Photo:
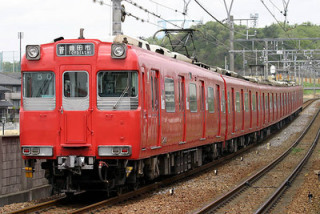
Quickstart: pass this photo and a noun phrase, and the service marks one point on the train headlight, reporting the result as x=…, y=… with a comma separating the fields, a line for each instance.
x=33, y=52
x=118, y=51
x=114, y=151
x=46, y=151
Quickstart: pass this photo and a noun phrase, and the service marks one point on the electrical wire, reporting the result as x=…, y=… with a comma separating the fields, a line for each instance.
x=151, y=13
x=211, y=15
x=275, y=6
x=175, y=10
x=273, y=16
x=102, y=3
x=142, y=20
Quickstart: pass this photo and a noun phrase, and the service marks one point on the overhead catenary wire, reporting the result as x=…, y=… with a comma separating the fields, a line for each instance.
x=275, y=6
x=151, y=13
x=142, y=20
x=262, y=1
x=211, y=14
x=102, y=3
x=225, y=26
x=169, y=8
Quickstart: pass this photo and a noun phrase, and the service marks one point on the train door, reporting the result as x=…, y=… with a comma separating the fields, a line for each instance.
x=233, y=111
x=218, y=109
x=145, y=110
x=202, y=110
x=182, y=100
x=250, y=108
x=154, y=113
x=280, y=105
x=76, y=107
x=242, y=109
x=264, y=108
x=273, y=109
x=258, y=107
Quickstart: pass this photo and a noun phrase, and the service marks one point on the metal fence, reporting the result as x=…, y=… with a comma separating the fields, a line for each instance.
x=9, y=61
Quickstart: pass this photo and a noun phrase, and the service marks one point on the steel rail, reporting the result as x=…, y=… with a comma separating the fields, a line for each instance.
x=168, y=181
x=232, y=193
x=39, y=206
x=273, y=199
x=145, y=189
x=159, y=184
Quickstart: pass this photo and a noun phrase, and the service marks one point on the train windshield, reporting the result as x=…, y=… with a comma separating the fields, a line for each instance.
x=39, y=84
x=117, y=90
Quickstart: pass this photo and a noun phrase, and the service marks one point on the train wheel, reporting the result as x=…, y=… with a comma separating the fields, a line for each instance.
x=70, y=195
x=120, y=191
x=134, y=187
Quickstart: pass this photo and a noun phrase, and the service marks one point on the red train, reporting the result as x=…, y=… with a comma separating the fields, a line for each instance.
x=106, y=115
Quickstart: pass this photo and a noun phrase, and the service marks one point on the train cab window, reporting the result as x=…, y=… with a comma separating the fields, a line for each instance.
x=271, y=100
x=210, y=100
x=253, y=102
x=169, y=94
x=193, y=97
x=39, y=84
x=37, y=87
x=117, y=90
x=246, y=102
x=238, y=106
x=75, y=84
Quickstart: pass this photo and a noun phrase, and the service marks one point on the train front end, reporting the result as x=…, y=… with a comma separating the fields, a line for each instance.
x=80, y=113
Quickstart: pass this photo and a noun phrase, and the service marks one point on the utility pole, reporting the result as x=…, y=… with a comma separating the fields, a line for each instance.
x=266, y=61
x=231, y=27
x=20, y=37
x=231, y=24
x=116, y=17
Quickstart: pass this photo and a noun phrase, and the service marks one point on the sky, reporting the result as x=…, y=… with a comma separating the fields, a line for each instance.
x=41, y=21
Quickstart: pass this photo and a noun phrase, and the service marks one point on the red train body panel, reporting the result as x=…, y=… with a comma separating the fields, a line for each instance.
x=144, y=107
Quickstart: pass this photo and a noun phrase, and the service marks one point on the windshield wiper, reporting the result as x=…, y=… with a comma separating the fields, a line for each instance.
x=123, y=93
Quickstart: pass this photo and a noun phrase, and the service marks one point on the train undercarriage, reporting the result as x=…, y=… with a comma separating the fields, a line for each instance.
x=73, y=174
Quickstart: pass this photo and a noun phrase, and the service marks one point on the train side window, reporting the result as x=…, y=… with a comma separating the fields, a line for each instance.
x=193, y=97
x=254, y=102
x=210, y=100
x=266, y=101
x=246, y=102
x=223, y=102
x=229, y=107
x=237, y=101
x=169, y=94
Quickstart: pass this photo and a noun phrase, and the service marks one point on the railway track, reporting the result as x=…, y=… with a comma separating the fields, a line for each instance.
x=50, y=205
x=264, y=180
x=308, y=103
x=41, y=206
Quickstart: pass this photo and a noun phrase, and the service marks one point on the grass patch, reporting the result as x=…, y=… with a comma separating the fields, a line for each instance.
x=306, y=84
x=296, y=150
x=307, y=92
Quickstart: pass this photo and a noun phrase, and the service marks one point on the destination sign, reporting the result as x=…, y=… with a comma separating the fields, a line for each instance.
x=83, y=49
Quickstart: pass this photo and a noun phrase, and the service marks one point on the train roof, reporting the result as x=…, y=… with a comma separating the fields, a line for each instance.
x=166, y=52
